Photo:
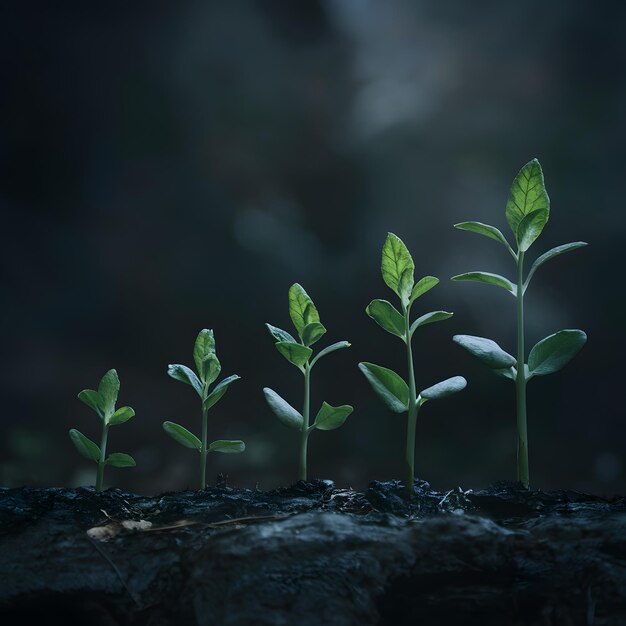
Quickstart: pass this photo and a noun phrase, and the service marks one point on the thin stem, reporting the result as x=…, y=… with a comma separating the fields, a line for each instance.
x=205, y=427
x=103, y=454
x=520, y=381
x=413, y=408
x=304, y=437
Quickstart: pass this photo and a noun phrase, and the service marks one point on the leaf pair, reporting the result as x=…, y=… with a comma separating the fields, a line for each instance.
x=103, y=401
x=189, y=440
x=91, y=451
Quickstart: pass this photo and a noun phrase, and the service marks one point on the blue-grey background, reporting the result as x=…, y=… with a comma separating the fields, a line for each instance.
x=169, y=166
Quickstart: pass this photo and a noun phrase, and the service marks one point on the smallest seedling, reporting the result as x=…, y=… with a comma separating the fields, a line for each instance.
x=103, y=403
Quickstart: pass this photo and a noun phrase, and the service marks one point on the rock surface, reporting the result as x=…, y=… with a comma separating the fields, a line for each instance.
x=313, y=554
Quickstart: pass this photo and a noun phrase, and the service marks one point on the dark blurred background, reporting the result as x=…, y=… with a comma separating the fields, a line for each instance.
x=169, y=166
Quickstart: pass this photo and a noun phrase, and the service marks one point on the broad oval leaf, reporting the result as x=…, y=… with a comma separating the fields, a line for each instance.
x=486, y=350
x=279, y=334
x=211, y=367
x=527, y=194
x=391, y=389
x=120, y=459
x=301, y=308
x=555, y=351
x=483, y=229
x=429, y=318
x=312, y=332
x=181, y=435
x=109, y=388
x=386, y=316
x=489, y=279
x=185, y=375
x=328, y=349
x=93, y=400
x=331, y=417
x=444, y=388
x=218, y=391
x=422, y=286
x=550, y=254
x=530, y=228
x=397, y=267
x=84, y=445
x=205, y=345
x=294, y=352
x=123, y=414
x=227, y=446
x=283, y=410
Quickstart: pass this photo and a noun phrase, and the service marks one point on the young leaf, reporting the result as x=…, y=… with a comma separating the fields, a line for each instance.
x=550, y=254
x=530, y=228
x=527, y=194
x=484, y=229
x=392, y=390
x=387, y=316
x=120, y=459
x=84, y=445
x=283, y=410
x=490, y=279
x=93, y=400
x=397, y=267
x=227, y=446
x=279, y=334
x=120, y=416
x=555, y=351
x=335, y=346
x=312, y=332
x=108, y=389
x=422, y=286
x=185, y=375
x=219, y=390
x=182, y=435
x=205, y=345
x=294, y=352
x=211, y=367
x=444, y=388
x=301, y=308
x=486, y=350
x=429, y=318
x=331, y=417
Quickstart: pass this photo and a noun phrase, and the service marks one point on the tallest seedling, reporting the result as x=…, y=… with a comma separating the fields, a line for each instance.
x=527, y=211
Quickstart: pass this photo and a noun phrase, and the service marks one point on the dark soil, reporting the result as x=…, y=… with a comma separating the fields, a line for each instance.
x=312, y=554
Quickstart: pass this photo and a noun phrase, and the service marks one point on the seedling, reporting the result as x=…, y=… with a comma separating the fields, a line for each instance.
x=527, y=212
x=103, y=403
x=208, y=369
x=398, y=273
x=306, y=320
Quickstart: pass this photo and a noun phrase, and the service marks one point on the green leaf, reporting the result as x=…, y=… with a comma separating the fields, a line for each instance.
x=331, y=417
x=550, y=254
x=219, y=390
x=444, y=388
x=84, y=445
x=205, y=345
x=212, y=368
x=294, y=352
x=120, y=459
x=527, y=194
x=108, y=388
x=181, y=435
x=185, y=375
x=429, y=318
x=555, y=351
x=506, y=372
x=227, y=446
x=530, y=228
x=328, y=349
x=488, y=278
x=392, y=390
x=422, y=286
x=397, y=267
x=484, y=229
x=386, y=316
x=301, y=308
x=279, y=334
x=93, y=400
x=312, y=332
x=283, y=410
x=120, y=416
x=486, y=350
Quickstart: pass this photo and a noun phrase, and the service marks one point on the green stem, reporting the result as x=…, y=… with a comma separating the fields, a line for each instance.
x=203, y=451
x=103, y=454
x=413, y=409
x=305, y=421
x=520, y=382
